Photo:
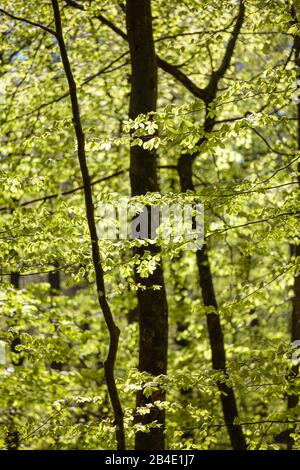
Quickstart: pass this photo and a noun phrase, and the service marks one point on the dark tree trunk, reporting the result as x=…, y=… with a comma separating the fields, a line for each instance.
x=12, y=439
x=295, y=249
x=18, y=359
x=215, y=332
x=153, y=310
x=15, y=279
x=113, y=330
x=293, y=399
x=185, y=165
x=54, y=279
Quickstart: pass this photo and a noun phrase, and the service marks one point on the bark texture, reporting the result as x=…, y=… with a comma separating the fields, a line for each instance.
x=153, y=310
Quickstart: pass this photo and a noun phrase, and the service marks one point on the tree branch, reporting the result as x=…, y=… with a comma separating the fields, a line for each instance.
x=182, y=78
x=253, y=222
x=232, y=42
x=25, y=20
x=114, y=331
x=169, y=68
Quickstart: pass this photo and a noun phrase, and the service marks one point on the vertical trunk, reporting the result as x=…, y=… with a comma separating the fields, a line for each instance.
x=153, y=311
x=186, y=395
x=18, y=361
x=113, y=330
x=295, y=333
x=12, y=439
x=216, y=338
x=293, y=399
x=254, y=322
x=215, y=332
x=54, y=279
x=15, y=280
x=295, y=249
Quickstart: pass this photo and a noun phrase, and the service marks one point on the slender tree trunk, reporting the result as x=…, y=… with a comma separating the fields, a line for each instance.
x=81, y=153
x=185, y=166
x=295, y=249
x=12, y=439
x=293, y=399
x=215, y=332
x=153, y=310
x=15, y=280
x=54, y=279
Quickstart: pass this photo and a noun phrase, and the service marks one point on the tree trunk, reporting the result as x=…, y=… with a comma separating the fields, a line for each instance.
x=293, y=399
x=215, y=332
x=54, y=279
x=113, y=330
x=12, y=439
x=153, y=310
x=216, y=338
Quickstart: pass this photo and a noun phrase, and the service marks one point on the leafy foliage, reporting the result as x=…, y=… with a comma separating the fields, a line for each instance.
x=52, y=389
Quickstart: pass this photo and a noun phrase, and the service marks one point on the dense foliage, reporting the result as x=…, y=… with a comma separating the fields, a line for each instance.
x=227, y=102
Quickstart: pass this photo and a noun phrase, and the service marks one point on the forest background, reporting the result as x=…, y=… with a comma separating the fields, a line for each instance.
x=140, y=344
